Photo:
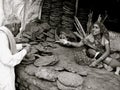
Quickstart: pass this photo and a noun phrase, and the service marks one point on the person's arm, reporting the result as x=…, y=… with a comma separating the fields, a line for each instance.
x=85, y=41
x=105, y=54
x=6, y=56
x=76, y=44
x=68, y=43
x=19, y=47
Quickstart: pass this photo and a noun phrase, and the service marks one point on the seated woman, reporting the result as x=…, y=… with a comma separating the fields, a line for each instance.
x=98, y=46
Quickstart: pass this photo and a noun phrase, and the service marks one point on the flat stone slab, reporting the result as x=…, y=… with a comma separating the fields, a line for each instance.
x=46, y=61
x=70, y=79
x=46, y=73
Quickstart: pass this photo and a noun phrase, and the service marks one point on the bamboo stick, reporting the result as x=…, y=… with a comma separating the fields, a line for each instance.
x=79, y=26
x=80, y=34
x=104, y=18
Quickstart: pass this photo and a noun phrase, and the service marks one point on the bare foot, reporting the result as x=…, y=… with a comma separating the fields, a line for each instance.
x=107, y=67
x=117, y=71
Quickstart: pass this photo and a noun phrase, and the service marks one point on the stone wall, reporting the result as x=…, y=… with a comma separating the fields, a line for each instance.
x=60, y=68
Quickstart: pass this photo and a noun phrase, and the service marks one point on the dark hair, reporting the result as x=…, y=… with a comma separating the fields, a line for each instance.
x=103, y=29
x=14, y=28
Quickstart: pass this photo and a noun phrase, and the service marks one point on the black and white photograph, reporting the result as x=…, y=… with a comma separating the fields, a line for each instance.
x=59, y=45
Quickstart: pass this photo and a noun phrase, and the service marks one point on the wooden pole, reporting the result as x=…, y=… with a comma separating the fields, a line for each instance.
x=79, y=26
x=76, y=7
x=40, y=9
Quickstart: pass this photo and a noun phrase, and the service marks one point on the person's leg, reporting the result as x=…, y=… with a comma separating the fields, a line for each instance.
x=91, y=53
x=107, y=67
x=113, y=63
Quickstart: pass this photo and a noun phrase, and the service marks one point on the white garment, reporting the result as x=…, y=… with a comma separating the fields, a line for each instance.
x=11, y=9
x=2, y=17
x=7, y=63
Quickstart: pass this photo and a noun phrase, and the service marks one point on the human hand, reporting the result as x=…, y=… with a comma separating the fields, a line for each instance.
x=90, y=15
x=94, y=64
x=25, y=44
x=85, y=41
x=93, y=59
x=63, y=41
x=27, y=47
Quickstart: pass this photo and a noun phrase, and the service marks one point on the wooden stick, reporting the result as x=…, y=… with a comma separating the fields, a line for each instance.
x=80, y=34
x=40, y=9
x=79, y=26
x=76, y=7
x=104, y=19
